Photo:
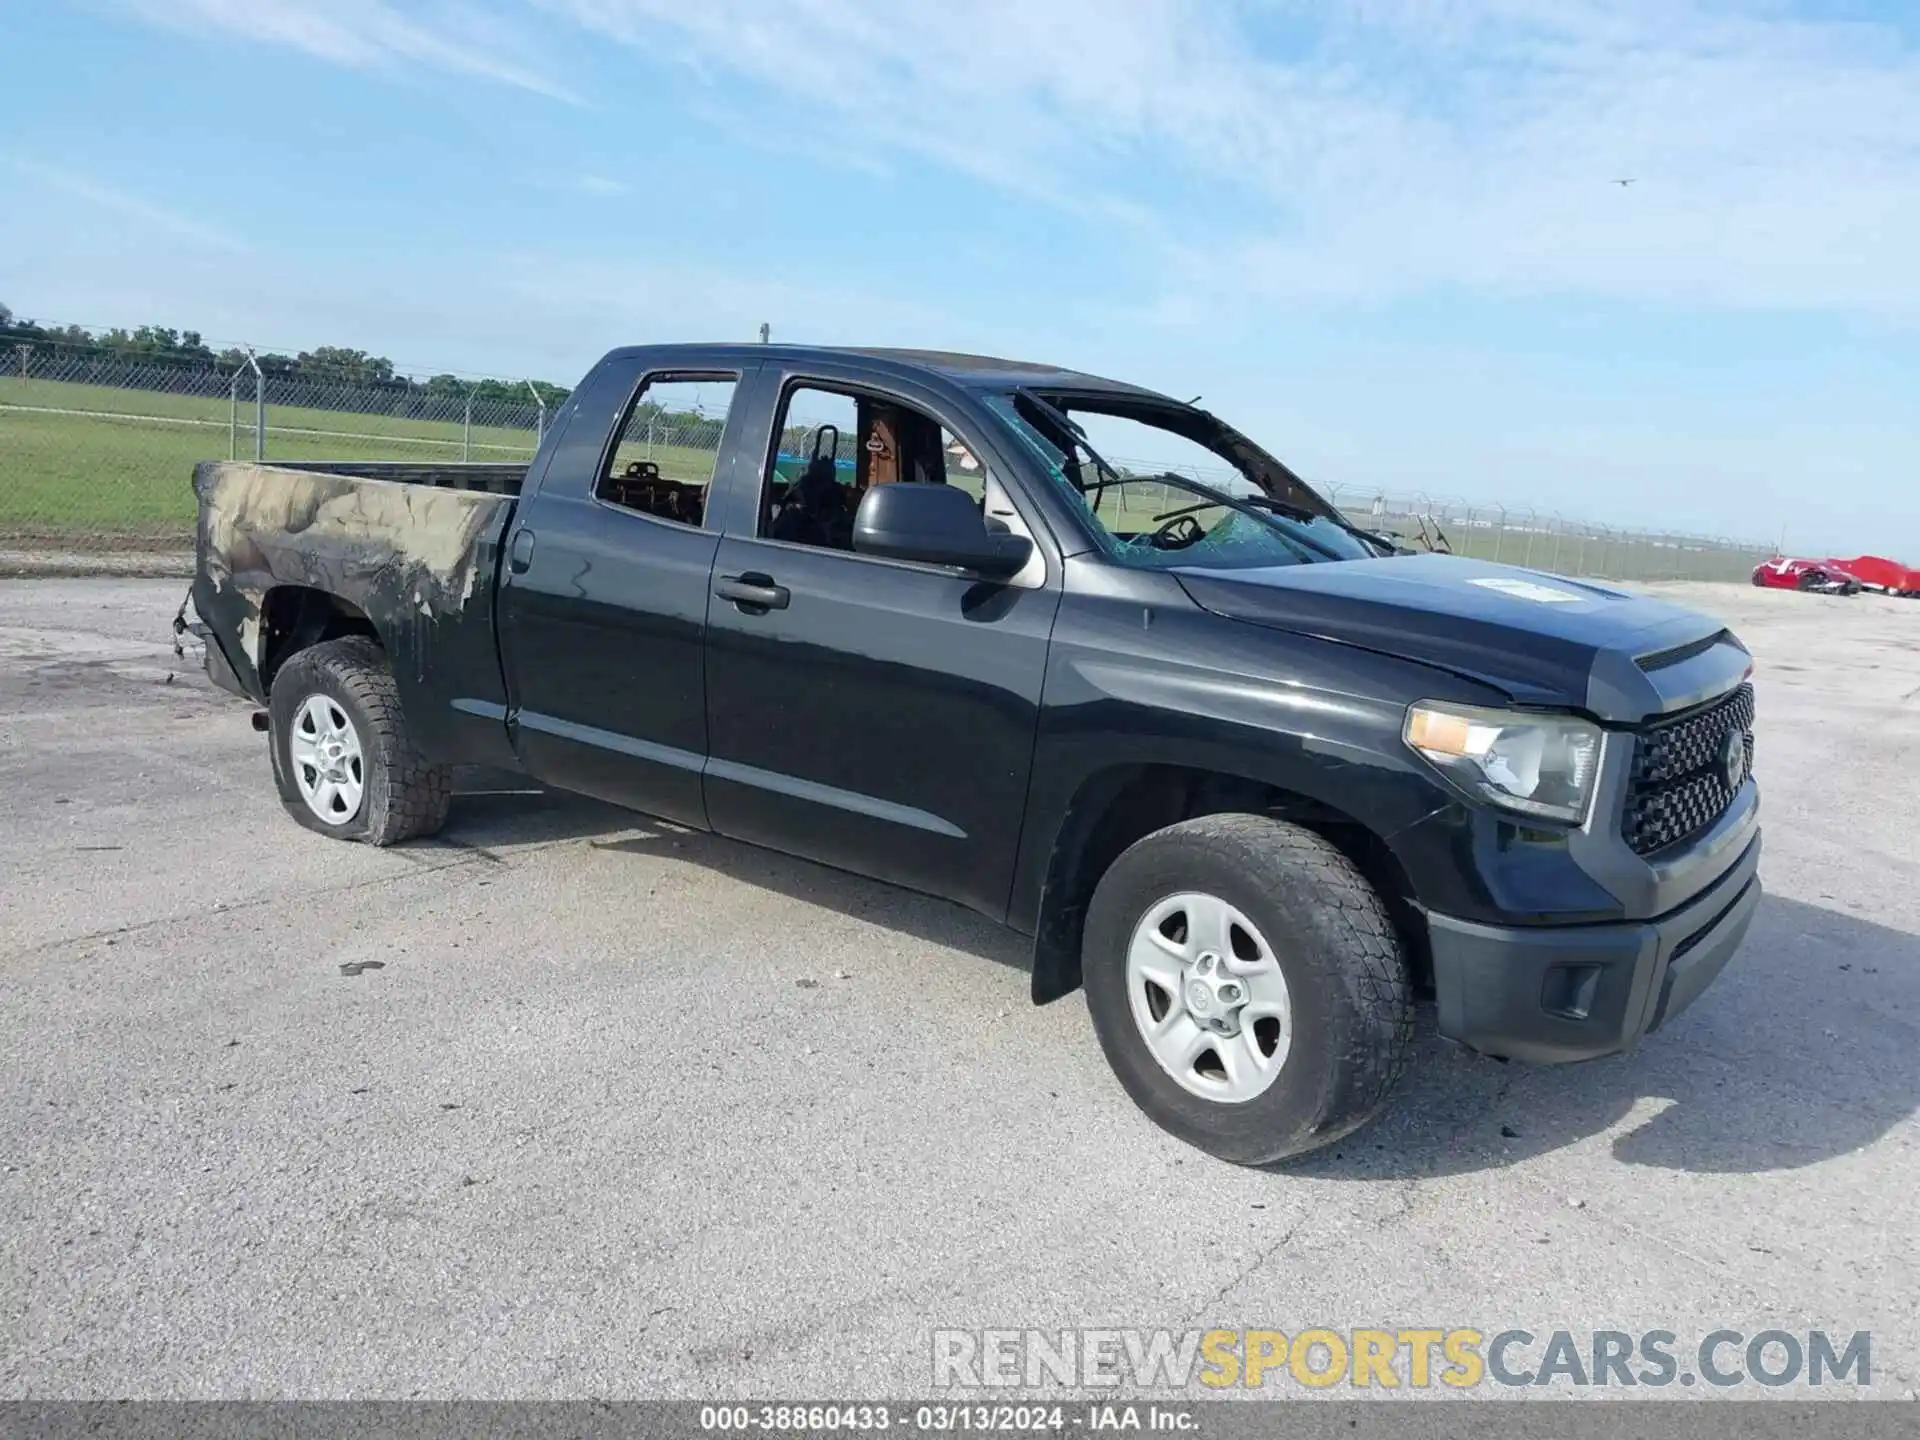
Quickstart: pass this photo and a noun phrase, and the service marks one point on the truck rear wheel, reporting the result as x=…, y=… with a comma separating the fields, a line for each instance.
x=1247, y=986
x=343, y=760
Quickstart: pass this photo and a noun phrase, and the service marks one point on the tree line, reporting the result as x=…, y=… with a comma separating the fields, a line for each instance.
x=323, y=365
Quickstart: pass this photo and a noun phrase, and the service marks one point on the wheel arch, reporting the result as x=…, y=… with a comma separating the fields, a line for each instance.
x=1122, y=804
x=298, y=617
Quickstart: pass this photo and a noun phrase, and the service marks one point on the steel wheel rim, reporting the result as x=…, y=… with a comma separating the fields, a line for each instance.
x=329, y=766
x=1207, y=993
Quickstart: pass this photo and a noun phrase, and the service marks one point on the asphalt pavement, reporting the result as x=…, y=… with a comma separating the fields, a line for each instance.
x=565, y=1103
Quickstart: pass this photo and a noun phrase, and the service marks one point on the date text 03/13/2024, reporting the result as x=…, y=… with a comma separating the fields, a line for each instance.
x=948, y=1418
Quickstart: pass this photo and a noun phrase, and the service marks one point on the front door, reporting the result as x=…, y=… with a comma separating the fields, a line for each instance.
x=875, y=715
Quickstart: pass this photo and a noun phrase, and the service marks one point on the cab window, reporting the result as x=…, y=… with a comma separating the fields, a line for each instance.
x=832, y=446
x=663, y=461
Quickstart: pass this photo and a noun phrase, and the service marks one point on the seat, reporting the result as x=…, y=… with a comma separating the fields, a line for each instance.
x=815, y=512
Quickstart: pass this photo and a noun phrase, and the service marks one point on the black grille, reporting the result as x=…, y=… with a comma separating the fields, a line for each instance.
x=1677, y=788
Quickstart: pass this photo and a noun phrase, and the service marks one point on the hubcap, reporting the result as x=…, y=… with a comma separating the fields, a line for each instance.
x=328, y=767
x=1209, y=997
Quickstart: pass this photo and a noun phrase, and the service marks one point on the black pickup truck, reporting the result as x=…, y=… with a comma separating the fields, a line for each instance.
x=1250, y=775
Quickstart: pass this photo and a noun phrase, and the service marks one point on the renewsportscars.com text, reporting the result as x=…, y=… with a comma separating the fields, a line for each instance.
x=1396, y=1358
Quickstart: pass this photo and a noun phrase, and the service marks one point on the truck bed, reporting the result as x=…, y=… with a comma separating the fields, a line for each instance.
x=351, y=528
x=407, y=551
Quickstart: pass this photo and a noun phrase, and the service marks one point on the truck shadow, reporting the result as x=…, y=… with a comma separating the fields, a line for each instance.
x=505, y=810
x=498, y=807
x=1806, y=1049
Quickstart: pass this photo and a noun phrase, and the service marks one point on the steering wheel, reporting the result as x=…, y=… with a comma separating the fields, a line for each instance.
x=1178, y=533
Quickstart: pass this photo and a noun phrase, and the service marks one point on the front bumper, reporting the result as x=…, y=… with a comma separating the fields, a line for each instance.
x=1555, y=994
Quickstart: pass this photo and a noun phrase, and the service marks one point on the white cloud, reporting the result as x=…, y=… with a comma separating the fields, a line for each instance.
x=598, y=304
x=146, y=215
x=368, y=35
x=601, y=185
x=1382, y=147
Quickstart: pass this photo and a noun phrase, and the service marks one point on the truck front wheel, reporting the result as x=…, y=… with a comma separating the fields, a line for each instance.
x=343, y=760
x=1247, y=986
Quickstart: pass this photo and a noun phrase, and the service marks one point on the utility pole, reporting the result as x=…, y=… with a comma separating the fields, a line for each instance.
x=766, y=332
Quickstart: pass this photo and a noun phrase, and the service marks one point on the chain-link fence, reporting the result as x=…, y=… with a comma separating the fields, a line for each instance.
x=97, y=453
x=1545, y=540
x=97, y=456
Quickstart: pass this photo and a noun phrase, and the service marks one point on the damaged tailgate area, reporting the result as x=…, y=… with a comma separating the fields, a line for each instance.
x=292, y=553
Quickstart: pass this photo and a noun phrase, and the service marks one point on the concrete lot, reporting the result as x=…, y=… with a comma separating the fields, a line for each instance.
x=628, y=1112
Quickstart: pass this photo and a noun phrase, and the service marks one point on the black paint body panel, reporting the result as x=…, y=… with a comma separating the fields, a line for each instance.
x=883, y=722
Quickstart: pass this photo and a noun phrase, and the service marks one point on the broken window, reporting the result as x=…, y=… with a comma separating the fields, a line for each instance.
x=1162, y=486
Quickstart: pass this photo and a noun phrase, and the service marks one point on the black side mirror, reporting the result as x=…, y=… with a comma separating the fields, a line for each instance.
x=935, y=525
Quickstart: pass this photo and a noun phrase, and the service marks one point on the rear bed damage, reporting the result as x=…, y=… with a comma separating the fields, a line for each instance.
x=408, y=552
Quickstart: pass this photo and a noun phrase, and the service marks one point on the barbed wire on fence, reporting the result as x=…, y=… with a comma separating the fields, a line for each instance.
x=96, y=454
x=45, y=364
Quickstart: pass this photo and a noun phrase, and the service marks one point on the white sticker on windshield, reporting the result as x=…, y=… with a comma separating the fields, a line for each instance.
x=1527, y=590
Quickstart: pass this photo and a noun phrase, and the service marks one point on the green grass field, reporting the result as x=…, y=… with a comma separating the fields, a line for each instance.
x=90, y=460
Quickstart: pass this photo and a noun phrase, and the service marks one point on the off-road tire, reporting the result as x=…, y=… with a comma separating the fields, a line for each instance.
x=404, y=796
x=1347, y=981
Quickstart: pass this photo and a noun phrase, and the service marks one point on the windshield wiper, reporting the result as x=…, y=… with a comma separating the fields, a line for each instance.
x=1261, y=507
x=1379, y=544
x=1308, y=515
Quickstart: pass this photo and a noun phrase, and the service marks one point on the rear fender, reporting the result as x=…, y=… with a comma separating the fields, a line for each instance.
x=415, y=565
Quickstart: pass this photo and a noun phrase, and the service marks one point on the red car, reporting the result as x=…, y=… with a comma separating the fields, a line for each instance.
x=1824, y=577
x=1882, y=574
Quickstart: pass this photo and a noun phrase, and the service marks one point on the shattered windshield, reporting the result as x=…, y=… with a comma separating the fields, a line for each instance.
x=1156, y=499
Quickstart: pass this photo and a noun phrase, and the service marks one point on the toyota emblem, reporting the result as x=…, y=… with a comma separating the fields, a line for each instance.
x=1733, y=758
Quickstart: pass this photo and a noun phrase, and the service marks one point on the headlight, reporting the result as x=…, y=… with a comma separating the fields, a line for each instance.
x=1534, y=764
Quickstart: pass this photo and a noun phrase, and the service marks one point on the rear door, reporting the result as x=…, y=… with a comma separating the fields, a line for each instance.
x=603, y=602
x=872, y=714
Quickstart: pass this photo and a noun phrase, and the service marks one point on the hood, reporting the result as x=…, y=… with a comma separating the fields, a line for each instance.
x=1543, y=639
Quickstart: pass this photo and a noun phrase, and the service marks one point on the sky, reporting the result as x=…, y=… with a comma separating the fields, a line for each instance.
x=1386, y=238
